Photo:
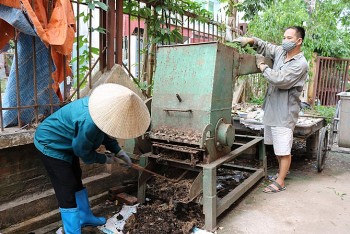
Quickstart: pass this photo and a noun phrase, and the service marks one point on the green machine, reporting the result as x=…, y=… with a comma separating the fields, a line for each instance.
x=192, y=99
x=191, y=119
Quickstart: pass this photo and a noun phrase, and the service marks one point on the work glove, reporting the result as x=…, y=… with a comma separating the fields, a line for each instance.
x=110, y=158
x=243, y=41
x=124, y=156
x=259, y=59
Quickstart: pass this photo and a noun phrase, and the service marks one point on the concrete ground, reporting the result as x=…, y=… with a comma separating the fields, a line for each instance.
x=312, y=203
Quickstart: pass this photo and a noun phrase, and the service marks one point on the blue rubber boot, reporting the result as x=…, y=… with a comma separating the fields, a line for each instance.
x=70, y=220
x=85, y=213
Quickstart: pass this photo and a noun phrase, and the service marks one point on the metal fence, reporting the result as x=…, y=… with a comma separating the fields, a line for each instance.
x=103, y=38
x=136, y=40
x=332, y=77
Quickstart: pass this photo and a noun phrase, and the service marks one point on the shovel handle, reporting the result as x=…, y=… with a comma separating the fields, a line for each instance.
x=139, y=168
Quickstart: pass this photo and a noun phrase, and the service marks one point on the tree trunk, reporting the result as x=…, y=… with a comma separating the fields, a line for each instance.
x=151, y=61
x=310, y=5
x=148, y=57
x=143, y=76
x=311, y=84
x=232, y=16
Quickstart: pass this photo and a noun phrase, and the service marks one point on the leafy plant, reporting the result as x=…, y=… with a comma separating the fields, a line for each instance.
x=241, y=50
x=270, y=26
x=87, y=51
x=252, y=7
x=326, y=112
x=328, y=29
x=162, y=15
x=3, y=85
x=327, y=26
x=257, y=100
x=163, y=20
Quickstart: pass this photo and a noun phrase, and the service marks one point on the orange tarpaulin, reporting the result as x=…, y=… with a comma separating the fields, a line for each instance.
x=57, y=31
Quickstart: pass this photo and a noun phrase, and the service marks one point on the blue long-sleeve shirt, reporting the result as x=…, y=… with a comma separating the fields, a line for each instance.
x=70, y=132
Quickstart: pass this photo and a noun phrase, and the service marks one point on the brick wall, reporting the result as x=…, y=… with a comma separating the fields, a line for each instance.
x=26, y=191
x=21, y=173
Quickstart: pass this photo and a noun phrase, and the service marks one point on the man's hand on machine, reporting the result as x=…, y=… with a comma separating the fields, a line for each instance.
x=243, y=41
x=260, y=62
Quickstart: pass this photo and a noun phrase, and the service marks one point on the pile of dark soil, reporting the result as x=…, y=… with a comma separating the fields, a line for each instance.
x=172, y=191
x=165, y=217
x=170, y=210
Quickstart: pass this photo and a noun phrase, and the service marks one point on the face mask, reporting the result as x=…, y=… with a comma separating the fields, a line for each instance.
x=288, y=45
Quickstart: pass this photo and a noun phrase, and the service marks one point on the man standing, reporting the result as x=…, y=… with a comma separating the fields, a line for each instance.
x=282, y=104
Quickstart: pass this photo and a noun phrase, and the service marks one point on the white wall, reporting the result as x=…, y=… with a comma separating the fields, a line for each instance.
x=2, y=66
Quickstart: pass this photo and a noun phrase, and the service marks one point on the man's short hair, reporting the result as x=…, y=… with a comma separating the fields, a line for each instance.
x=299, y=30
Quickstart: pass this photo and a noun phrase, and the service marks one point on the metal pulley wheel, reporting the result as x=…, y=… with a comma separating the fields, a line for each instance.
x=322, y=149
x=224, y=133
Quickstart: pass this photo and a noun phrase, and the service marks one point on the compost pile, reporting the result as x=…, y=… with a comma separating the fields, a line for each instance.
x=172, y=191
x=164, y=217
x=166, y=190
x=169, y=209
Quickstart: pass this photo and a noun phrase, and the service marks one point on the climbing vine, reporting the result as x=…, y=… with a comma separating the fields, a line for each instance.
x=159, y=16
x=86, y=50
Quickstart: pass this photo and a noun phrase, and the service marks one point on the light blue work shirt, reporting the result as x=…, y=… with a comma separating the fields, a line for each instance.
x=286, y=80
x=70, y=132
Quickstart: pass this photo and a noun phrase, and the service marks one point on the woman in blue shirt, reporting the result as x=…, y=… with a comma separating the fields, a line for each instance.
x=75, y=132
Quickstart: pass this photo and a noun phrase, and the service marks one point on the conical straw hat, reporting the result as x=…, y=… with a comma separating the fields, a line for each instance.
x=118, y=111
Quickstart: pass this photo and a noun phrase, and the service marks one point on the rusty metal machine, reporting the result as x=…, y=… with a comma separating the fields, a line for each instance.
x=191, y=120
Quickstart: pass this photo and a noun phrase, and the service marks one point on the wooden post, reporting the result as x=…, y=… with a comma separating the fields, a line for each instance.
x=103, y=39
x=311, y=91
x=111, y=33
x=141, y=192
x=119, y=36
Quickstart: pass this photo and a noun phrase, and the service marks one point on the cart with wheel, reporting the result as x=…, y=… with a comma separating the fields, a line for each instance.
x=315, y=131
x=310, y=128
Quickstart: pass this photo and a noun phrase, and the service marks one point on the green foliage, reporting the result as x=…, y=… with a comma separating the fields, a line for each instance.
x=241, y=50
x=257, y=100
x=160, y=18
x=252, y=7
x=2, y=84
x=327, y=26
x=84, y=56
x=249, y=7
x=165, y=14
x=326, y=112
x=328, y=29
x=83, y=42
x=270, y=26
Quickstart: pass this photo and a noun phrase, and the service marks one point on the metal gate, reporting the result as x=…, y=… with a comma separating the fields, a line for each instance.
x=95, y=52
x=332, y=76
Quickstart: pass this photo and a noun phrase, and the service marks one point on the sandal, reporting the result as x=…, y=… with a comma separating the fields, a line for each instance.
x=274, y=177
x=272, y=189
